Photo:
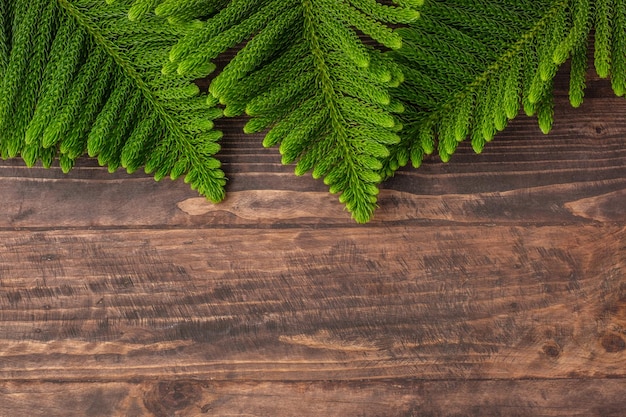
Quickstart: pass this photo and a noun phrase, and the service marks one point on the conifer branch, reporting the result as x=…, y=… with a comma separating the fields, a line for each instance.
x=306, y=77
x=469, y=66
x=79, y=77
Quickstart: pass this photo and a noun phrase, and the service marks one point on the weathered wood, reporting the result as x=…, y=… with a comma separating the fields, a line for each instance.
x=187, y=398
x=576, y=174
x=309, y=304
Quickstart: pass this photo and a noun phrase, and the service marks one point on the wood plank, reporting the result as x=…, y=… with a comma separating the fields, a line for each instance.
x=575, y=175
x=314, y=303
x=181, y=398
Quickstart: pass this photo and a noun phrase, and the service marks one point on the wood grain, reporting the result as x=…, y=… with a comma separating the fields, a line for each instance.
x=576, y=174
x=187, y=398
x=491, y=285
x=297, y=304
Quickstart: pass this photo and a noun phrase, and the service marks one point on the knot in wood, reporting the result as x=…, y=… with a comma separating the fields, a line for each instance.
x=613, y=343
x=552, y=349
x=167, y=396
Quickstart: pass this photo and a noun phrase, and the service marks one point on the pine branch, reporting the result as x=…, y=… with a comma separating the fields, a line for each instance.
x=306, y=77
x=78, y=76
x=470, y=65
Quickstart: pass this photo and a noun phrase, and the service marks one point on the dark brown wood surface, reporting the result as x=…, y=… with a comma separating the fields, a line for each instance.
x=493, y=285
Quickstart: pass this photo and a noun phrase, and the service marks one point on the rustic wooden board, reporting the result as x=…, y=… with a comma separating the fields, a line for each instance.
x=309, y=304
x=577, y=174
x=492, y=285
x=190, y=398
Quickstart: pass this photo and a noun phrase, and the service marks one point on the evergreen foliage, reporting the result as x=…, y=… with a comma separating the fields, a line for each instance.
x=470, y=65
x=349, y=90
x=306, y=77
x=78, y=76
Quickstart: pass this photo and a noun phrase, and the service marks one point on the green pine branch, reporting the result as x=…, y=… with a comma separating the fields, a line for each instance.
x=471, y=65
x=306, y=78
x=78, y=76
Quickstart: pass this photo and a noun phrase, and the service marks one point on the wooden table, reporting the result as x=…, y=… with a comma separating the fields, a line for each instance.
x=494, y=285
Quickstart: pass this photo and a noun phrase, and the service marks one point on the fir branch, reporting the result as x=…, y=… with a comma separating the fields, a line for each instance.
x=306, y=77
x=468, y=72
x=78, y=76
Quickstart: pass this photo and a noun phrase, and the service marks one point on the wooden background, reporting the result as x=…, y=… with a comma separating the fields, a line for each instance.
x=493, y=285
